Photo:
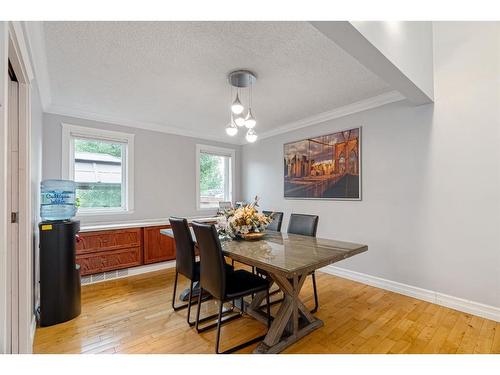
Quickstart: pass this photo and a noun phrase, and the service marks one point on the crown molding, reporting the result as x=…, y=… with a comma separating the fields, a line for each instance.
x=349, y=109
x=157, y=127
x=363, y=105
x=36, y=45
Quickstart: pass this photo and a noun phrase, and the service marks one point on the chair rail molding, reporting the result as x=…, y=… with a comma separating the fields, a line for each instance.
x=456, y=303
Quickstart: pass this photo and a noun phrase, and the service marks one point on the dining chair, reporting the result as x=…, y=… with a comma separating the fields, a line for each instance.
x=222, y=285
x=306, y=225
x=277, y=220
x=186, y=264
x=225, y=205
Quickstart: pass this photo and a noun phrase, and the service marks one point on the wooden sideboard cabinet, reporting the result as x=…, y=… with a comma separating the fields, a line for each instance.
x=157, y=247
x=109, y=250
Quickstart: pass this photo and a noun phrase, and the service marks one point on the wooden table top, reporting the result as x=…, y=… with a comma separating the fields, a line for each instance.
x=287, y=254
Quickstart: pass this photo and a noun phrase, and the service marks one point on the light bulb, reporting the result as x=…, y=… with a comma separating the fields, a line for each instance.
x=250, y=120
x=251, y=136
x=239, y=120
x=231, y=130
x=237, y=107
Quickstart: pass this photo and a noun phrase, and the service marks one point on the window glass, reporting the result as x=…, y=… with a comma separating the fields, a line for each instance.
x=98, y=173
x=215, y=177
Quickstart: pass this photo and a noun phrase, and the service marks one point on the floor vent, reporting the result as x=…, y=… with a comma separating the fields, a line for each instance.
x=95, y=278
x=121, y=273
x=98, y=277
x=110, y=275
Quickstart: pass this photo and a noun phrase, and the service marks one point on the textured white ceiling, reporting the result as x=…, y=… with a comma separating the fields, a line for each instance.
x=174, y=73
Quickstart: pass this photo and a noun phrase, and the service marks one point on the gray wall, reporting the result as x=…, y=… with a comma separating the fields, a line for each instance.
x=164, y=169
x=431, y=176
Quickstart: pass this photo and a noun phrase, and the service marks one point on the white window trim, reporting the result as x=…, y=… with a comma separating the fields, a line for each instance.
x=217, y=151
x=67, y=164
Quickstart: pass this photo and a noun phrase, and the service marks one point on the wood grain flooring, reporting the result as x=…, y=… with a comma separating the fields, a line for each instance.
x=134, y=315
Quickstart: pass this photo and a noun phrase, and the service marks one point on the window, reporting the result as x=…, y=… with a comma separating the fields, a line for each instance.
x=101, y=164
x=214, y=176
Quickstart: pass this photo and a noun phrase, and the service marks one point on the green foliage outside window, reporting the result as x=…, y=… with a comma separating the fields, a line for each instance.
x=211, y=167
x=99, y=147
x=99, y=195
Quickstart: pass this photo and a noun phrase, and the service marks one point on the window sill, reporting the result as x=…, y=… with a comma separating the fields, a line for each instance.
x=103, y=212
x=202, y=209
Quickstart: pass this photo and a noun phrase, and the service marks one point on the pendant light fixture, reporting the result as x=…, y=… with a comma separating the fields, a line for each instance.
x=250, y=121
x=251, y=136
x=239, y=120
x=237, y=107
x=231, y=129
x=242, y=79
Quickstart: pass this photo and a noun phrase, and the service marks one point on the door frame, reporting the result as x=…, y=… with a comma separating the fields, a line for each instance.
x=13, y=48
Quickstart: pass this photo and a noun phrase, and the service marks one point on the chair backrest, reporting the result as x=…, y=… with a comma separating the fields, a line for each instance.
x=305, y=225
x=277, y=220
x=212, y=268
x=225, y=205
x=184, y=247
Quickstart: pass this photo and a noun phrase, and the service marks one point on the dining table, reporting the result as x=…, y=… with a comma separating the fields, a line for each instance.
x=287, y=259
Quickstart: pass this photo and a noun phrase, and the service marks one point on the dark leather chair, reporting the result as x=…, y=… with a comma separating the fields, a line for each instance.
x=306, y=225
x=185, y=262
x=277, y=220
x=222, y=285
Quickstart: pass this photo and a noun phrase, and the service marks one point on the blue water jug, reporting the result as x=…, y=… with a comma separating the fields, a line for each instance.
x=57, y=201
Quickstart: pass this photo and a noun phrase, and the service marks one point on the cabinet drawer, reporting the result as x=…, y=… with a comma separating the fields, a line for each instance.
x=108, y=240
x=109, y=260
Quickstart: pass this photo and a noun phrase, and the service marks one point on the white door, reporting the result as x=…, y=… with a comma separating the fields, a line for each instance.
x=13, y=208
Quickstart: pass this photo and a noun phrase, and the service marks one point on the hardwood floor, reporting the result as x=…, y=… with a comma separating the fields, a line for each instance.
x=134, y=315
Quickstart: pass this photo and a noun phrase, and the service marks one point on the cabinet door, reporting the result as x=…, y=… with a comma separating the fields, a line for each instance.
x=157, y=247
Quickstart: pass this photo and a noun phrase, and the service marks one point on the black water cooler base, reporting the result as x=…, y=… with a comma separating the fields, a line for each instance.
x=60, y=284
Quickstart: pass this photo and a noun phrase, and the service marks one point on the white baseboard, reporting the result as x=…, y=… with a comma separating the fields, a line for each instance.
x=460, y=304
x=151, y=268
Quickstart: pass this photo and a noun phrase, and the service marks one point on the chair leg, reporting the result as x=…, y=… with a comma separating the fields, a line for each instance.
x=268, y=309
x=234, y=348
x=218, y=328
x=316, y=304
x=189, y=304
x=199, y=308
x=253, y=272
x=211, y=317
x=176, y=308
x=186, y=305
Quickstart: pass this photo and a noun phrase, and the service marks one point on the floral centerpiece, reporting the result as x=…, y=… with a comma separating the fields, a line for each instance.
x=244, y=222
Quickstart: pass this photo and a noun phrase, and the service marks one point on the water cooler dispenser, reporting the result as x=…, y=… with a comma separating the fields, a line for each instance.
x=60, y=285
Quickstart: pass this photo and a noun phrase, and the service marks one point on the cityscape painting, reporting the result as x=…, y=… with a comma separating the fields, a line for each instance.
x=324, y=167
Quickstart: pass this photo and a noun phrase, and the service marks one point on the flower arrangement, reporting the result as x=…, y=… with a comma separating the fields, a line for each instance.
x=240, y=222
